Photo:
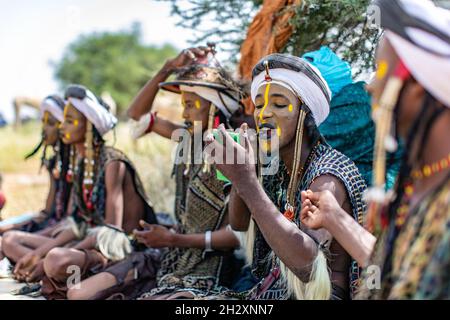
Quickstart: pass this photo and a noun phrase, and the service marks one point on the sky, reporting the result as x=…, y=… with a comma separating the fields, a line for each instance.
x=34, y=33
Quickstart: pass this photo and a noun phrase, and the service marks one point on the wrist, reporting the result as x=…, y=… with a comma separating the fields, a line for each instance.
x=247, y=187
x=167, y=69
x=173, y=240
x=331, y=219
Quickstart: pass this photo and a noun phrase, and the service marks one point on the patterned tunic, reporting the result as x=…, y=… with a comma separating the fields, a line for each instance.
x=323, y=160
x=200, y=205
x=420, y=261
x=95, y=217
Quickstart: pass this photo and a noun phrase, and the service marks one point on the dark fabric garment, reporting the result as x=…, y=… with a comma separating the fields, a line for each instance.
x=144, y=266
x=324, y=160
x=200, y=206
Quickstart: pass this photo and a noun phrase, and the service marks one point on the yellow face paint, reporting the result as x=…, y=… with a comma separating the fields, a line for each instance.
x=45, y=117
x=291, y=107
x=266, y=102
x=75, y=123
x=66, y=108
x=183, y=102
x=382, y=69
x=278, y=131
x=67, y=135
x=265, y=145
x=197, y=104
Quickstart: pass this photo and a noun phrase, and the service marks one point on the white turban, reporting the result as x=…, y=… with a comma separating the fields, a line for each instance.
x=431, y=70
x=302, y=86
x=227, y=105
x=53, y=108
x=97, y=114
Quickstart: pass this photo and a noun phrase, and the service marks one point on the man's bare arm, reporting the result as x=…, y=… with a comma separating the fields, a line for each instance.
x=143, y=102
x=115, y=172
x=239, y=214
x=284, y=237
x=321, y=210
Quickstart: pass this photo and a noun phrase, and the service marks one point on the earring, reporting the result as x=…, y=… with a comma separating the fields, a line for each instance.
x=70, y=170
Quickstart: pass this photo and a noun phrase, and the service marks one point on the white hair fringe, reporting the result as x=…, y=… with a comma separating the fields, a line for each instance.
x=319, y=285
x=69, y=223
x=250, y=241
x=113, y=244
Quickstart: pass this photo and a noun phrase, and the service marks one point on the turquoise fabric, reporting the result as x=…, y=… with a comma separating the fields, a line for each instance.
x=350, y=129
x=336, y=72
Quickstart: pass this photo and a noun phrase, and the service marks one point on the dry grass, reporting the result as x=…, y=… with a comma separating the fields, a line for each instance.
x=26, y=189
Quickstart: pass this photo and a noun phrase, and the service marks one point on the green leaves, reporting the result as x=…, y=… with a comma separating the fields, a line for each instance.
x=337, y=23
x=116, y=62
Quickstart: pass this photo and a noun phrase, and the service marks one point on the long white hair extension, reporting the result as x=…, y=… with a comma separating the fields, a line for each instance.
x=319, y=285
x=250, y=236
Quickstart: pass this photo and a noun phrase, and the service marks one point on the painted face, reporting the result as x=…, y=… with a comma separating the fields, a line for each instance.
x=412, y=94
x=277, y=108
x=195, y=109
x=73, y=129
x=50, y=128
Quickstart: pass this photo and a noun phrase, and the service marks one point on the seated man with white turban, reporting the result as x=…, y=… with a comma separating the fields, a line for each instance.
x=19, y=246
x=198, y=251
x=107, y=200
x=292, y=100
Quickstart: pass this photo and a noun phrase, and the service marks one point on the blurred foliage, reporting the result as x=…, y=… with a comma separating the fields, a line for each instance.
x=223, y=22
x=116, y=62
x=340, y=24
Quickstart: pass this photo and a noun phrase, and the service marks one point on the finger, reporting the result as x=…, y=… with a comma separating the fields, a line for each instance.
x=18, y=267
x=226, y=138
x=205, y=50
x=188, y=53
x=304, y=212
x=307, y=203
x=198, y=52
x=313, y=196
x=304, y=196
x=209, y=138
x=139, y=234
x=145, y=225
x=243, y=136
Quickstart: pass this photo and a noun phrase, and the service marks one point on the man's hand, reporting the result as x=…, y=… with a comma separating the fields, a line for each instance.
x=318, y=209
x=187, y=57
x=240, y=168
x=154, y=236
x=26, y=265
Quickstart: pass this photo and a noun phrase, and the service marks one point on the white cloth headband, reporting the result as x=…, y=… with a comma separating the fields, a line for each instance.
x=53, y=108
x=212, y=95
x=430, y=70
x=101, y=118
x=302, y=86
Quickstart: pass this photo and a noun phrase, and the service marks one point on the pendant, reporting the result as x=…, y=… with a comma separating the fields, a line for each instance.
x=56, y=174
x=289, y=212
x=69, y=176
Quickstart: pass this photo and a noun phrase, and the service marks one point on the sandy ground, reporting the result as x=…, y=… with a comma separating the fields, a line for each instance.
x=6, y=285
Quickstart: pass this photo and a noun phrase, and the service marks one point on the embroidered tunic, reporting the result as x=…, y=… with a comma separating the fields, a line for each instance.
x=324, y=160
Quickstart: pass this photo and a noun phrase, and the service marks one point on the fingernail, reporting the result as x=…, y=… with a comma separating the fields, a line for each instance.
x=209, y=137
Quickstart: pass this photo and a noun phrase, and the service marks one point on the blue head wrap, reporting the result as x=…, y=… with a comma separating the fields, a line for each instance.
x=336, y=72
